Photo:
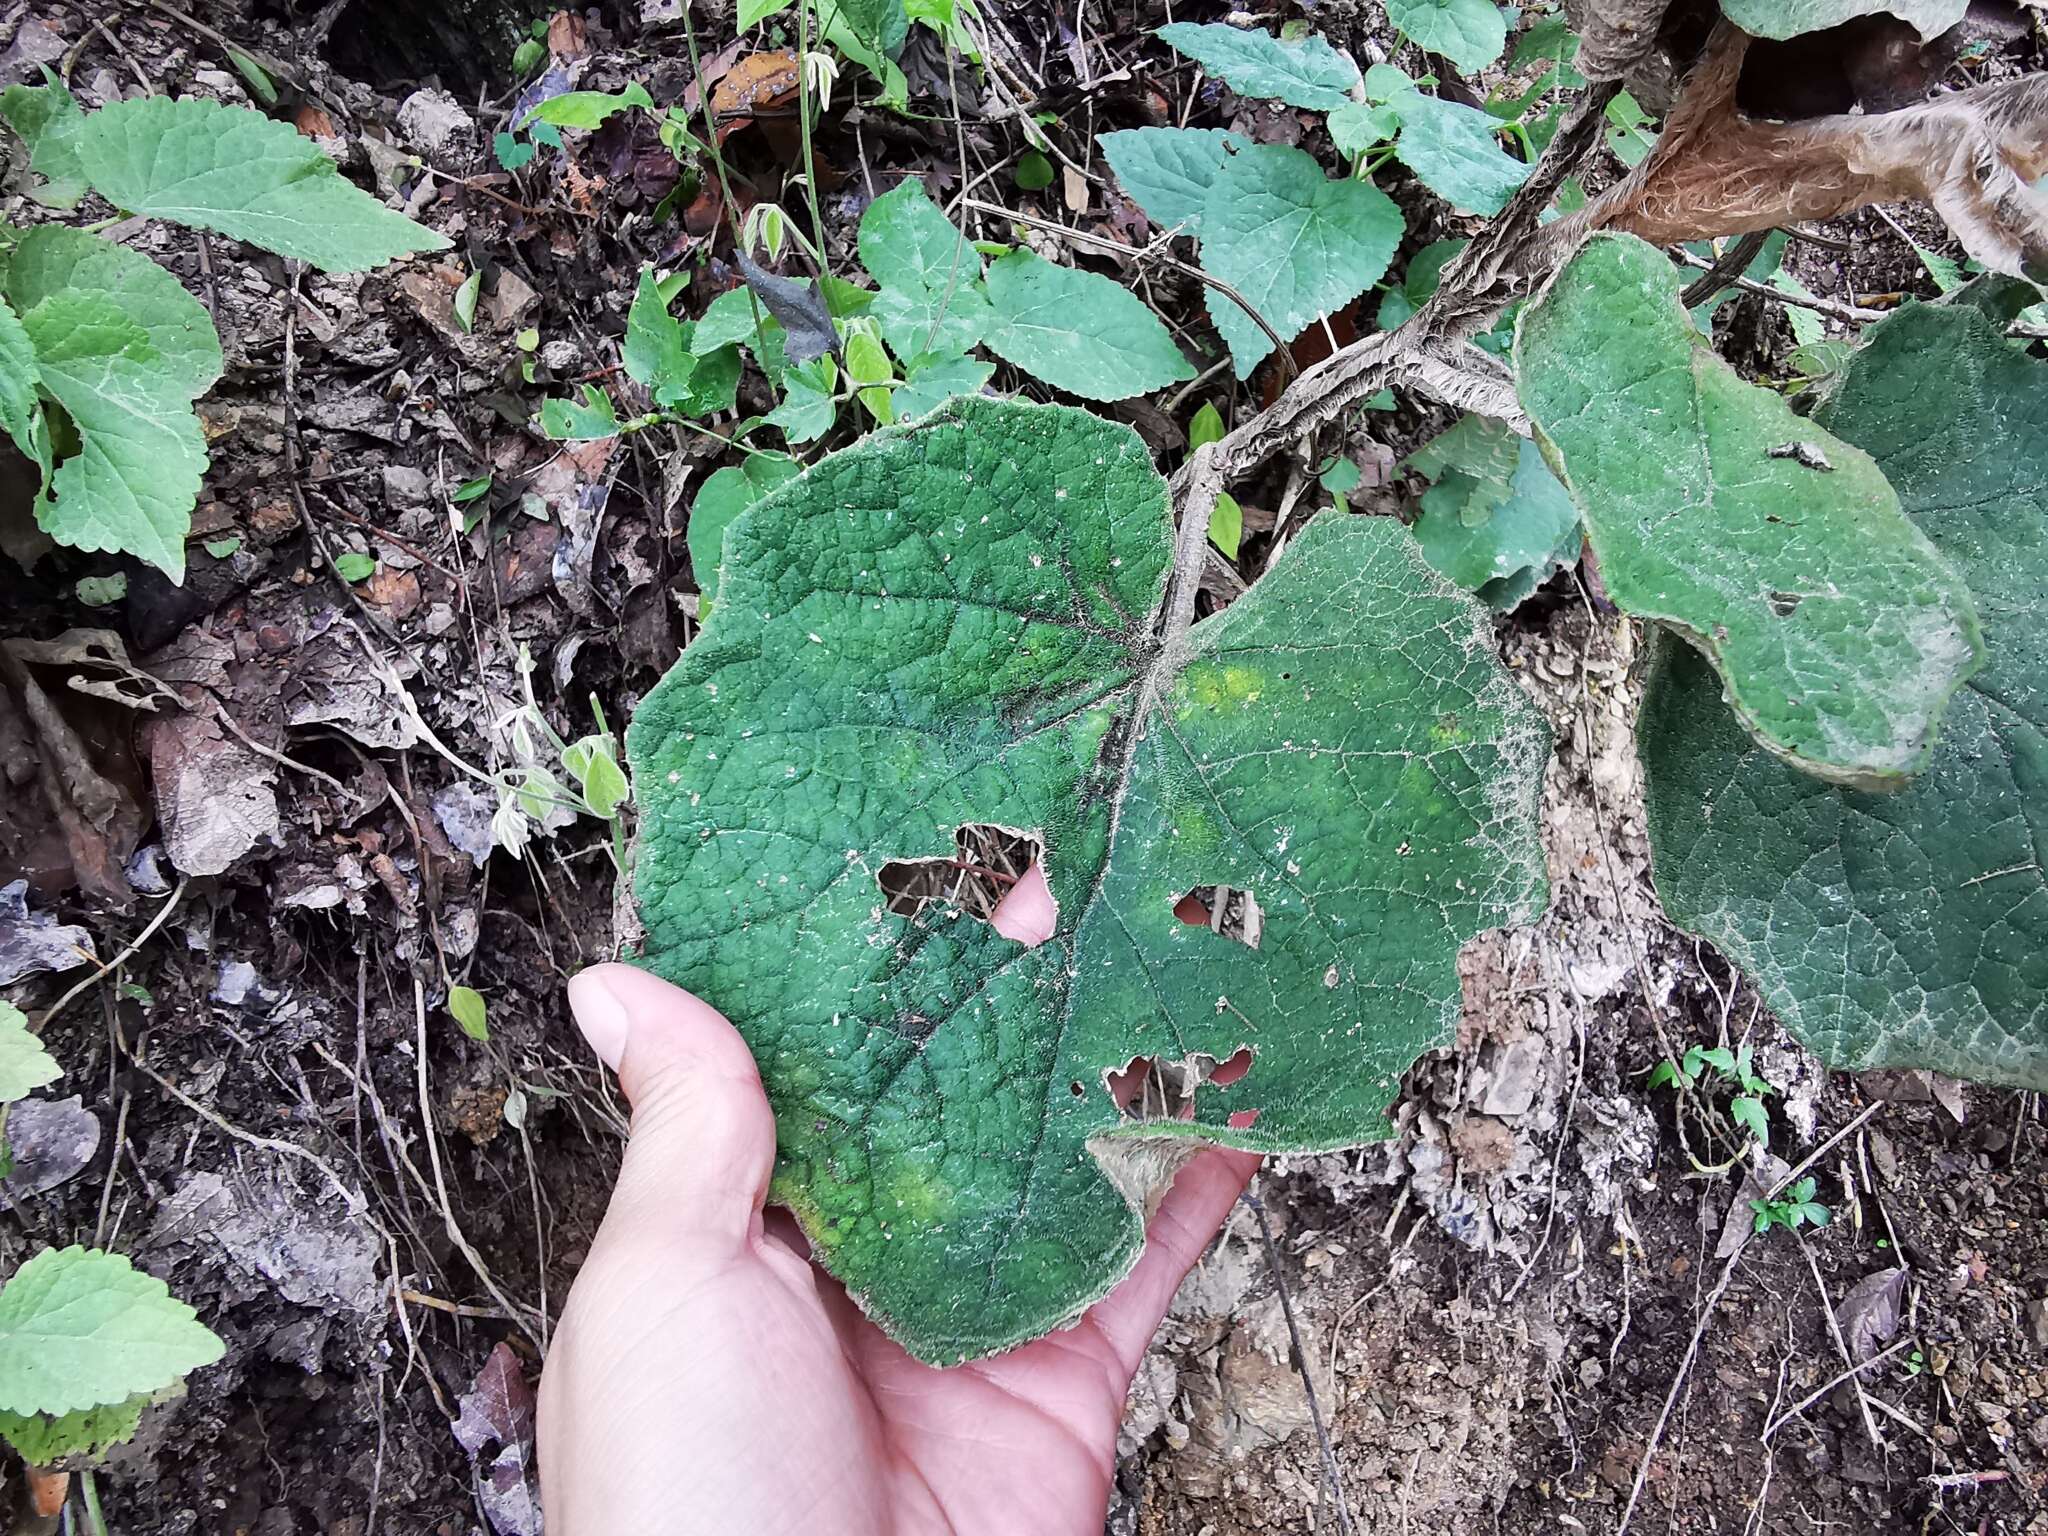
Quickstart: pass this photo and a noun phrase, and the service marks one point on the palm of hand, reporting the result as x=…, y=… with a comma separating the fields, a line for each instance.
x=706, y=1376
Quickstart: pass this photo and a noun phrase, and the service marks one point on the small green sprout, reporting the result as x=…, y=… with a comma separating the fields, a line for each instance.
x=1747, y=1107
x=1790, y=1210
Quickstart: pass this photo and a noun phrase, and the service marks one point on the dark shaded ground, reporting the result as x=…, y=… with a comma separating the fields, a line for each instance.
x=364, y=1203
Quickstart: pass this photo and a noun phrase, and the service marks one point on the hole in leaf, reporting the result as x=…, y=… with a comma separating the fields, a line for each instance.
x=1226, y=909
x=1154, y=1088
x=987, y=864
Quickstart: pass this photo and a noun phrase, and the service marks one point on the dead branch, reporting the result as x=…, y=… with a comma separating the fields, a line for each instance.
x=1973, y=154
x=1614, y=35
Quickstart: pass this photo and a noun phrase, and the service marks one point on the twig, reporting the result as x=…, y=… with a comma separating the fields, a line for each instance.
x=520, y=1316
x=357, y=1206
x=1832, y=1382
x=162, y=914
x=1308, y=1386
x=1853, y=314
x=1841, y=1344
x=1728, y=266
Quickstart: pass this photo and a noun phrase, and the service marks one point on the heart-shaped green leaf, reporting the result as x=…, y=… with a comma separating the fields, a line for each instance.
x=1297, y=245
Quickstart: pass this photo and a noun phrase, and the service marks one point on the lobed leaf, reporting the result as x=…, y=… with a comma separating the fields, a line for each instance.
x=966, y=621
x=1839, y=631
x=82, y=1328
x=245, y=175
x=1907, y=929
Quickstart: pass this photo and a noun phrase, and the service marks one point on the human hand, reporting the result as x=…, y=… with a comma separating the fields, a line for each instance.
x=707, y=1376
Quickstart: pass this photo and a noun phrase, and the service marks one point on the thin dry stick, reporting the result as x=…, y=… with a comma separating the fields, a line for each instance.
x=1841, y=1344
x=355, y=1202
x=1707, y=1307
x=1829, y=1385
x=162, y=914
x=522, y=1316
x=1308, y=1386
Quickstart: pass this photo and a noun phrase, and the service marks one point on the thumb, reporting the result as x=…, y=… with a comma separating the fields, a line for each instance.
x=703, y=1142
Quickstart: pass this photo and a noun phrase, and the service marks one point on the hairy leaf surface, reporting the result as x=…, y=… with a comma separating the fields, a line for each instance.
x=83, y=1328
x=1905, y=929
x=1780, y=551
x=1309, y=73
x=241, y=174
x=1296, y=244
x=965, y=621
x=1790, y=18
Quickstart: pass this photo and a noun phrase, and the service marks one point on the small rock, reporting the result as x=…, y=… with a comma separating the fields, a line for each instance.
x=558, y=356
x=2037, y=1317
x=435, y=123
x=1515, y=1074
x=405, y=486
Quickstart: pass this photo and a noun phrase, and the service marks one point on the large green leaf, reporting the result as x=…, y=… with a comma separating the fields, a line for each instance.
x=963, y=621
x=1168, y=171
x=82, y=1328
x=47, y=117
x=1296, y=244
x=1309, y=73
x=1905, y=929
x=1470, y=33
x=241, y=174
x=1790, y=18
x=1455, y=151
x=125, y=351
x=51, y=261
x=1494, y=520
x=1079, y=331
x=1780, y=551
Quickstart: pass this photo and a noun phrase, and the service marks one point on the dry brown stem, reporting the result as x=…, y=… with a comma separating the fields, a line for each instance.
x=1614, y=35
x=1973, y=154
